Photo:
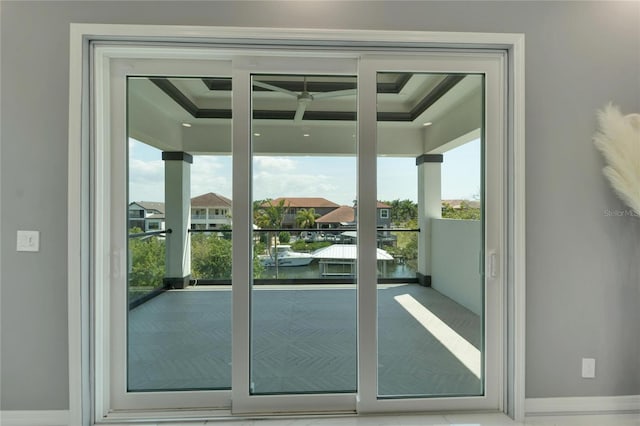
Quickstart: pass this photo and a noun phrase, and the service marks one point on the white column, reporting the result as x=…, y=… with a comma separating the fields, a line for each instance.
x=429, y=207
x=177, y=189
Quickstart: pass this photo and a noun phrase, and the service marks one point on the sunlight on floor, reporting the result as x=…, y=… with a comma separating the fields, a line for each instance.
x=456, y=344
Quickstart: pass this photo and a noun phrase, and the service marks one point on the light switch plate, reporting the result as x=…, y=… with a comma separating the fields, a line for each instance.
x=588, y=368
x=28, y=241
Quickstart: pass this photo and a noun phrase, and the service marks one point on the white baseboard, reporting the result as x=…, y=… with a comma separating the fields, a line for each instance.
x=34, y=418
x=582, y=405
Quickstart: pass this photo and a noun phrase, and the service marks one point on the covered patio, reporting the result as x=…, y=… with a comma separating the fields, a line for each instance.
x=420, y=116
x=304, y=341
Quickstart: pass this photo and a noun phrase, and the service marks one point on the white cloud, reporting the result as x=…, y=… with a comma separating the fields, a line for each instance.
x=146, y=180
x=298, y=177
x=272, y=177
x=211, y=174
x=146, y=170
x=273, y=164
x=278, y=184
x=208, y=174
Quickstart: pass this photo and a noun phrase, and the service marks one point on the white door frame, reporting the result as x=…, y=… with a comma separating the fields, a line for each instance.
x=79, y=244
x=244, y=67
x=492, y=67
x=109, y=185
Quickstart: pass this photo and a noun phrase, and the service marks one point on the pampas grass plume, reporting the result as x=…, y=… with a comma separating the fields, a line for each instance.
x=618, y=139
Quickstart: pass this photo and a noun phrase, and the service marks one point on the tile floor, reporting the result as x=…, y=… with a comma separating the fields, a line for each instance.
x=421, y=420
x=303, y=340
x=146, y=332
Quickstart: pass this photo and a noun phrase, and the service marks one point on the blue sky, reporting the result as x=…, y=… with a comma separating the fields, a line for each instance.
x=333, y=178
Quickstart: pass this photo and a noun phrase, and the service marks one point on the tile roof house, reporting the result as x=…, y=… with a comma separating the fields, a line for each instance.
x=322, y=206
x=383, y=214
x=342, y=216
x=345, y=216
x=210, y=211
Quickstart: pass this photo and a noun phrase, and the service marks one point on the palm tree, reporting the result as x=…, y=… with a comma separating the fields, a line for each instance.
x=270, y=215
x=306, y=218
x=402, y=211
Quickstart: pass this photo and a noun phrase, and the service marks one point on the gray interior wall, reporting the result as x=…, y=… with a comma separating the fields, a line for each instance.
x=583, y=293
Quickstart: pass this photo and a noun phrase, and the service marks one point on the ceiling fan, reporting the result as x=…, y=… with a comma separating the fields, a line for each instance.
x=305, y=97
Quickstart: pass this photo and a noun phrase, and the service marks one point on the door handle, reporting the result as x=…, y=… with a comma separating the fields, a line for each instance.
x=493, y=264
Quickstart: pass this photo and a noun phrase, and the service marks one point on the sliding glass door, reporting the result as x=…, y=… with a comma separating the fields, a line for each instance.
x=430, y=336
x=302, y=233
x=298, y=312
x=303, y=293
x=435, y=214
x=179, y=242
x=169, y=152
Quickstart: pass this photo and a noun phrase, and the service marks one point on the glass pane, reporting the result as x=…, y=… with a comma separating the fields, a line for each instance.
x=431, y=291
x=179, y=254
x=303, y=312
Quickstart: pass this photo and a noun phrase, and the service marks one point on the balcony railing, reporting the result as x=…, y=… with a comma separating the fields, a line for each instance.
x=211, y=258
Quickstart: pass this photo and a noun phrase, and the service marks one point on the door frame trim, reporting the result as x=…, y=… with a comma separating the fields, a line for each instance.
x=492, y=66
x=78, y=217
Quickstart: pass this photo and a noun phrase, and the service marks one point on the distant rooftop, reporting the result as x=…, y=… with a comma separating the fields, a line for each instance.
x=340, y=215
x=150, y=205
x=381, y=205
x=210, y=199
x=303, y=202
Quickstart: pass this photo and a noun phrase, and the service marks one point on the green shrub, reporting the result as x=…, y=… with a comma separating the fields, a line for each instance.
x=284, y=237
x=147, y=261
x=210, y=257
x=301, y=245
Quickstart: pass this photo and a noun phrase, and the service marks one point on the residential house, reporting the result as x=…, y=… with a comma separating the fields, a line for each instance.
x=293, y=205
x=210, y=211
x=146, y=215
x=383, y=215
x=344, y=216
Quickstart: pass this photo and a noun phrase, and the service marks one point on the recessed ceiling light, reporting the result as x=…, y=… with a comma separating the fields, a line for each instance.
x=256, y=134
x=186, y=124
x=306, y=135
x=427, y=124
